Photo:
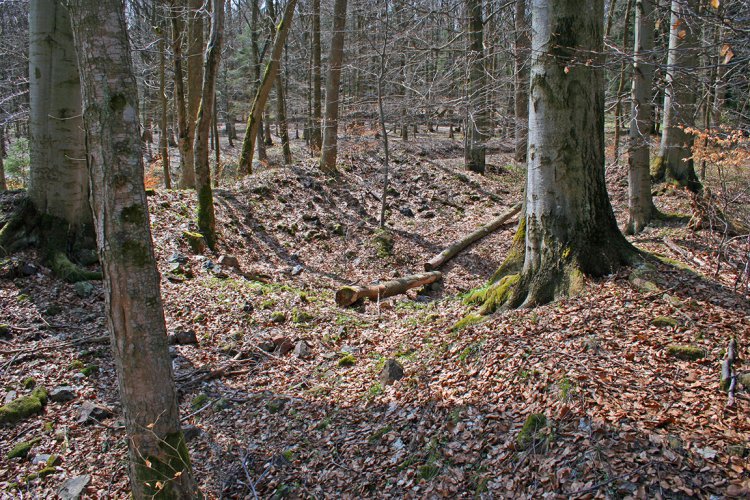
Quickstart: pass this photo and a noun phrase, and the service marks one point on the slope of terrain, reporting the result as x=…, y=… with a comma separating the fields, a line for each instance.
x=587, y=397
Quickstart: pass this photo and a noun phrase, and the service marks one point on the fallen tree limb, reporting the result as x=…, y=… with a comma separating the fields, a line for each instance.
x=348, y=295
x=450, y=252
x=683, y=253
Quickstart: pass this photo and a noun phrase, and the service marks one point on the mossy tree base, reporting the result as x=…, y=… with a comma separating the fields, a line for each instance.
x=53, y=236
x=683, y=176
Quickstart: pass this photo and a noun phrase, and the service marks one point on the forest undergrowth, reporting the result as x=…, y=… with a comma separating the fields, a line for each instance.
x=612, y=393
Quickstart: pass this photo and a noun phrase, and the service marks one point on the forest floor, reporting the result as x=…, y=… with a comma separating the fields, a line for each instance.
x=623, y=417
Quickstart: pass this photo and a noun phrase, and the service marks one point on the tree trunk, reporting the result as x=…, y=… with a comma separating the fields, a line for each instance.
x=476, y=123
x=640, y=204
x=621, y=82
x=206, y=217
x=256, y=66
x=315, y=136
x=158, y=455
x=521, y=82
x=348, y=295
x=194, y=83
x=187, y=179
x=261, y=96
x=567, y=229
x=163, y=143
x=281, y=117
x=674, y=161
x=335, y=59
x=3, y=183
x=59, y=181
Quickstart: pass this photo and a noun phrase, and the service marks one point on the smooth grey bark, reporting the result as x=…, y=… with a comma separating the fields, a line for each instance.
x=316, y=140
x=206, y=216
x=674, y=161
x=158, y=456
x=477, y=119
x=186, y=148
x=194, y=83
x=59, y=182
x=3, y=183
x=640, y=204
x=329, y=149
x=521, y=81
x=163, y=143
x=568, y=229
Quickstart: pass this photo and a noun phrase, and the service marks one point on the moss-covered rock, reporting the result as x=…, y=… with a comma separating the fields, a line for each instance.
x=347, y=360
x=28, y=383
x=531, y=432
x=278, y=317
x=383, y=242
x=686, y=352
x=23, y=407
x=466, y=321
x=41, y=474
x=22, y=449
x=664, y=322
x=199, y=401
x=196, y=241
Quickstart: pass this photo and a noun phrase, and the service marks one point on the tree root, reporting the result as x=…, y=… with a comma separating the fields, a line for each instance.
x=27, y=227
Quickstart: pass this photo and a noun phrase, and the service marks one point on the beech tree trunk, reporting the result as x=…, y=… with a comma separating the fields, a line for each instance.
x=329, y=149
x=206, y=217
x=264, y=89
x=674, y=161
x=348, y=295
x=163, y=143
x=3, y=183
x=476, y=123
x=316, y=140
x=640, y=204
x=59, y=181
x=521, y=82
x=194, y=84
x=158, y=455
x=256, y=66
x=567, y=229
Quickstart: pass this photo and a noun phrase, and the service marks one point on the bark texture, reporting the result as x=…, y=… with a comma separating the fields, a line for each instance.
x=186, y=148
x=159, y=462
x=335, y=59
x=521, y=81
x=206, y=216
x=674, y=162
x=567, y=229
x=477, y=120
x=316, y=140
x=348, y=295
x=640, y=204
x=194, y=83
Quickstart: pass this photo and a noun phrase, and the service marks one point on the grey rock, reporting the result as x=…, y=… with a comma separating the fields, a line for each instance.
x=92, y=411
x=183, y=337
x=230, y=262
x=10, y=396
x=248, y=307
x=283, y=345
x=62, y=394
x=267, y=346
x=391, y=372
x=207, y=264
x=349, y=349
x=297, y=270
x=406, y=211
x=178, y=258
x=302, y=350
x=83, y=289
x=191, y=432
x=41, y=458
x=29, y=269
x=72, y=488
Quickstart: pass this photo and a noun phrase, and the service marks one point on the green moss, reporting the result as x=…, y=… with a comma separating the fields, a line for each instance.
x=278, y=317
x=90, y=370
x=383, y=242
x=195, y=240
x=686, y=352
x=23, y=407
x=657, y=169
x=466, y=321
x=199, y=401
x=62, y=267
x=347, y=360
x=299, y=316
x=28, y=383
x=158, y=473
x=664, y=322
x=21, y=450
x=531, y=430
x=134, y=214
x=428, y=472
x=206, y=217
x=77, y=364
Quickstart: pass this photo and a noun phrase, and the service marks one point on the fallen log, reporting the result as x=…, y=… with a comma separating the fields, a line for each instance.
x=348, y=295
x=450, y=252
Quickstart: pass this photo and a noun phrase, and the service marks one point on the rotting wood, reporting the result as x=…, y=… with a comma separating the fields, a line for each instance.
x=455, y=248
x=348, y=295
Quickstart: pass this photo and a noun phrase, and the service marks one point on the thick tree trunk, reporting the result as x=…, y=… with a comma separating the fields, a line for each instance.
x=621, y=82
x=674, y=161
x=159, y=461
x=568, y=229
x=187, y=179
x=335, y=59
x=256, y=67
x=264, y=89
x=3, y=183
x=281, y=118
x=316, y=140
x=348, y=295
x=194, y=83
x=476, y=123
x=640, y=204
x=521, y=81
x=206, y=216
x=59, y=182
